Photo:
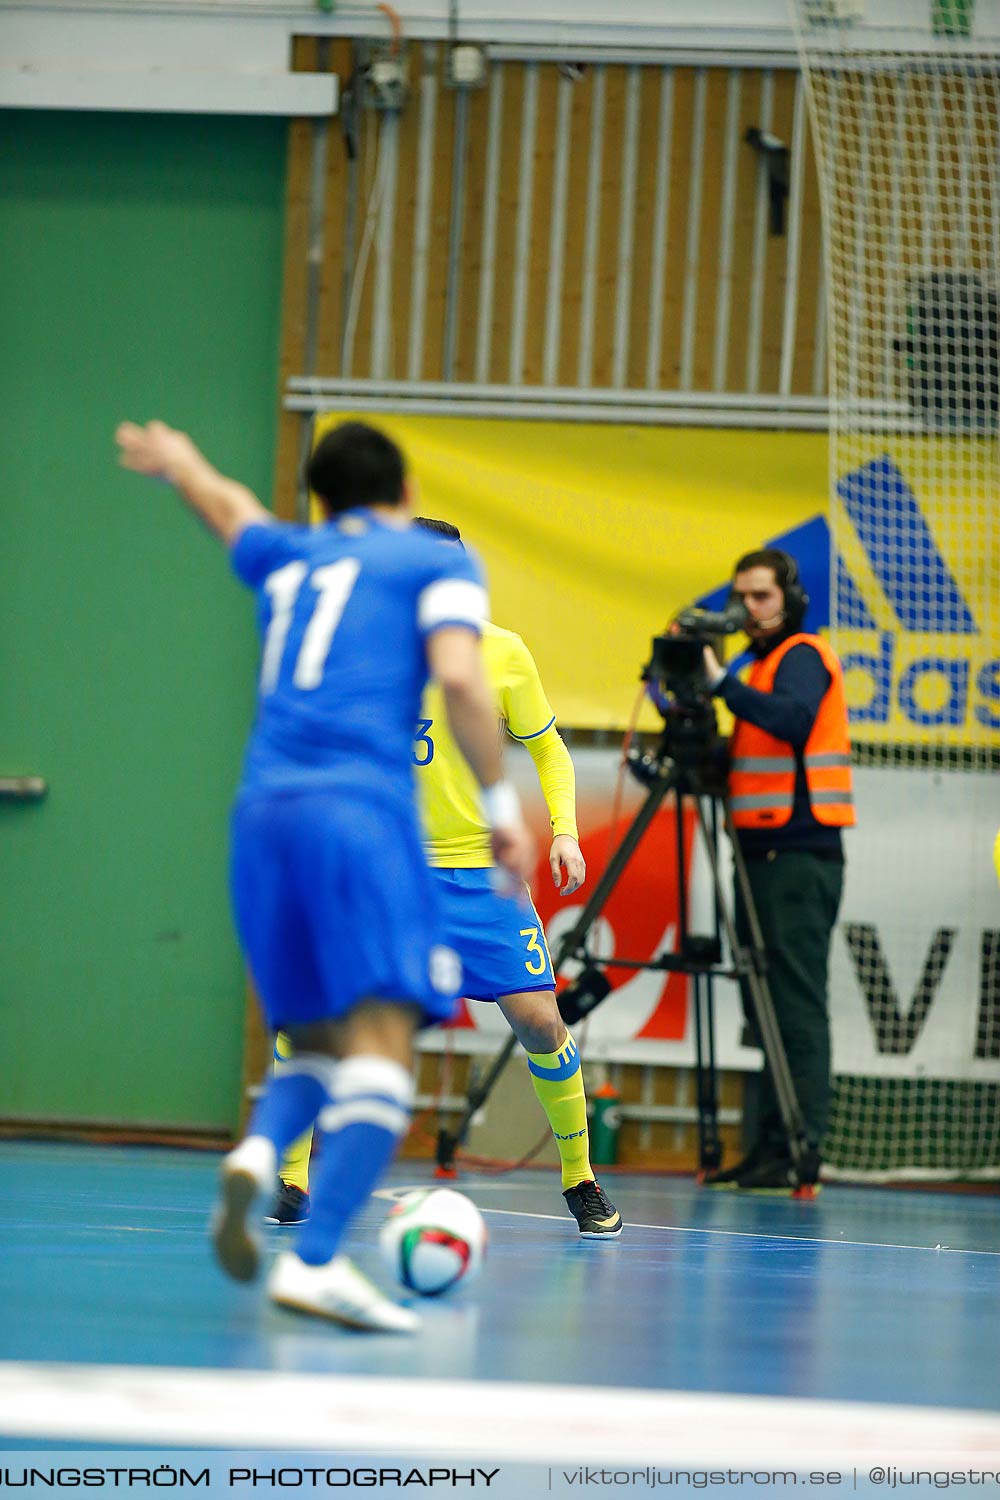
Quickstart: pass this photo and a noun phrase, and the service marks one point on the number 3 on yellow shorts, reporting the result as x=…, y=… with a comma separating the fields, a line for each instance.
x=536, y=963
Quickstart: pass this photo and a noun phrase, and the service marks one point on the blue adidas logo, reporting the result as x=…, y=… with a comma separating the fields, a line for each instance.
x=954, y=688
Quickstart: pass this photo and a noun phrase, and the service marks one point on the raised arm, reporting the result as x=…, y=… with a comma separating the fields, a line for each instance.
x=159, y=451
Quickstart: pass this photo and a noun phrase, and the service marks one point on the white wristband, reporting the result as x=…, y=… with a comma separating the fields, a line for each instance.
x=501, y=805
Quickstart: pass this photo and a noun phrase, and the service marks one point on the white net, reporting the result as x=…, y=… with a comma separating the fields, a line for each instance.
x=905, y=101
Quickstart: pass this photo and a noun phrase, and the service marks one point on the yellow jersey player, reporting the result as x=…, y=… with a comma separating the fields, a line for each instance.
x=501, y=942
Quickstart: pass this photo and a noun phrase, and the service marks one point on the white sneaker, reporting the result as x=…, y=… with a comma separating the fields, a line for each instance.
x=247, y=1172
x=336, y=1290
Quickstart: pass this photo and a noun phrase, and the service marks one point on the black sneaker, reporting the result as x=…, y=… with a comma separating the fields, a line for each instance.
x=772, y=1174
x=290, y=1206
x=730, y=1177
x=593, y=1211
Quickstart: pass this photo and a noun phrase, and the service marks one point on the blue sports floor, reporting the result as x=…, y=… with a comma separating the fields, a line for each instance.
x=723, y=1334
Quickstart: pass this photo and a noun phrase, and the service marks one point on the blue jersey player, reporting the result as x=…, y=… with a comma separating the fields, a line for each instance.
x=332, y=897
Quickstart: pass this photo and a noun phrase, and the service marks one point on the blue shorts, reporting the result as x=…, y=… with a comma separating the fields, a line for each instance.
x=334, y=904
x=500, y=939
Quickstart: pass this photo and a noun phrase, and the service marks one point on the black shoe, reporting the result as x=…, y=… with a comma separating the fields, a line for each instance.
x=593, y=1211
x=290, y=1206
x=772, y=1174
x=730, y=1177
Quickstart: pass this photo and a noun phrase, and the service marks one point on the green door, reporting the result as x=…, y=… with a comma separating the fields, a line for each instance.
x=140, y=270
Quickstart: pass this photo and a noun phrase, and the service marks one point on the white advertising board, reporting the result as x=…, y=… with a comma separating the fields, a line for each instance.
x=913, y=991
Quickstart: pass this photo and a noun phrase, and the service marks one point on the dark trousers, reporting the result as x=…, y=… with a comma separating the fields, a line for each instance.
x=797, y=896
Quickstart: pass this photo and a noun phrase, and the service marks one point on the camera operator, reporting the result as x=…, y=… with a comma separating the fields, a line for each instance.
x=790, y=796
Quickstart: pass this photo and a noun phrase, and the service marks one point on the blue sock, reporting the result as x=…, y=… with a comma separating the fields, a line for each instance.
x=293, y=1096
x=361, y=1128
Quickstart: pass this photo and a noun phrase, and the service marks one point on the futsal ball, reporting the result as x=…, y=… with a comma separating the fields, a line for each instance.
x=432, y=1239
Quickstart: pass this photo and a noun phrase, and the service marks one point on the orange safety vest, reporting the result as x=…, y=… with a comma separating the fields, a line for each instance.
x=762, y=768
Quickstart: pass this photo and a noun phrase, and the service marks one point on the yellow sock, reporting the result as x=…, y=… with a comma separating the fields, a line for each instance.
x=558, y=1081
x=295, y=1162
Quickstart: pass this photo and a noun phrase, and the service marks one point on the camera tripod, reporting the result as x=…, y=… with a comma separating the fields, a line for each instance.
x=683, y=764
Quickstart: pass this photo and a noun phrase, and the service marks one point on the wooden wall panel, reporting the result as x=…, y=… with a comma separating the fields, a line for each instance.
x=581, y=112
x=440, y=228
x=405, y=217
x=292, y=352
x=745, y=213
x=607, y=237
x=356, y=359
x=339, y=175
x=349, y=269
x=711, y=218
x=539, y=246
x=810, y=275
x=680, y=193
x=472, y=234
x=506, y=224
x=777, y=250
x=651, y=84
x=292, y=355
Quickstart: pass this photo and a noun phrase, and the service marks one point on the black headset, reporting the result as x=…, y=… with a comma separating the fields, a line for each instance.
x=795, y=597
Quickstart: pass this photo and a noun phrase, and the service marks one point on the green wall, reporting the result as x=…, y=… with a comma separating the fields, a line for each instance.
x=140, y=276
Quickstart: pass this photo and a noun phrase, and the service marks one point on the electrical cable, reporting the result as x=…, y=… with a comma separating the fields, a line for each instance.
x=396, y=23
x=361, y=264
x=374, y=204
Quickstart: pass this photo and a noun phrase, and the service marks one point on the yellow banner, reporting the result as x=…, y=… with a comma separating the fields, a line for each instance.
x=593, y=537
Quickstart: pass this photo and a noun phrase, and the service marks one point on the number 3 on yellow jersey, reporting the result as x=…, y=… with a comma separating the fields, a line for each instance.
x=423, y=745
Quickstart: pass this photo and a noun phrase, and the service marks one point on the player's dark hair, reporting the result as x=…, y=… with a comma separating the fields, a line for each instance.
x=443, y=528
x=355, y=464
